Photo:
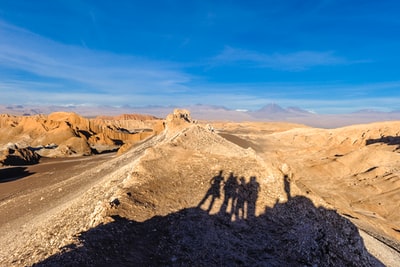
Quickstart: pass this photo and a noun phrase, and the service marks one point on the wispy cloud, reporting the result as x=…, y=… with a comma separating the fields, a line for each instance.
x=303, y=95
x=108, y=73
x=17, y=93
x=296, y=61
x=234, y=96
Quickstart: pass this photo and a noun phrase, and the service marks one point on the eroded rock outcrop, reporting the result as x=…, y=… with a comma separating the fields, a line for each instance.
x=73, y=135
x=18, y=156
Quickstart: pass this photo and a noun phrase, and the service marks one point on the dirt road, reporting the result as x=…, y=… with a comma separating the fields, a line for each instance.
x=26, y=191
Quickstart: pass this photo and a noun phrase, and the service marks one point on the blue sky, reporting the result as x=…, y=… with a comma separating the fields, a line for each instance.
x=326, y=56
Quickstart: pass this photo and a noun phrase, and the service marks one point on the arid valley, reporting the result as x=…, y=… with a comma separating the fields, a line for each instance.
x=137, y=190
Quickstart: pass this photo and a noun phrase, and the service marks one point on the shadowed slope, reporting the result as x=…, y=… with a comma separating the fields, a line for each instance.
x=294, y=233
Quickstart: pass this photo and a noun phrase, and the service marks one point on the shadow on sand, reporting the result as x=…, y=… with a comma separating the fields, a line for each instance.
x=13, y=173
x=389, y=140
x=294, y=233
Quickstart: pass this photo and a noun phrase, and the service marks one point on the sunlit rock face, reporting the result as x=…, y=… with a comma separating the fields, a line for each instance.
x=63, y=134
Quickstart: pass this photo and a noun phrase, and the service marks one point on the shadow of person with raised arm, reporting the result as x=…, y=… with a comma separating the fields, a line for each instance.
x=214, y=191
x=286, y=186
x=230, y=195
x=253, y=187
x=241, y=199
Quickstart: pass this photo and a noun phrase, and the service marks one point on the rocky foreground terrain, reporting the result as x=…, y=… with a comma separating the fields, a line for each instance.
x=218, y=194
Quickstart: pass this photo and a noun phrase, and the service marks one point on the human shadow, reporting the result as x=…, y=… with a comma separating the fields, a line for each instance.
x=241, y=201
x=253, y=187
x=230, y=195
x=239, y=197
x=292, y=233
x=9, y=174
x=214, y=191
x=286, y=186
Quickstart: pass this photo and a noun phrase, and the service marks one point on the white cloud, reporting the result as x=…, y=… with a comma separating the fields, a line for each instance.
x=254, y=96
x=239, y=96
x=21, y=50
x=297, y=61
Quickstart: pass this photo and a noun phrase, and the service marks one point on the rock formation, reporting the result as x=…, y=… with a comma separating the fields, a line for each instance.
x=178, y=120
x=18, y=156
x=68, y=134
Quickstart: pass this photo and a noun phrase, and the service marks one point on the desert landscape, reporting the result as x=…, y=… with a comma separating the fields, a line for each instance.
x=137, y=190
x=199, y=133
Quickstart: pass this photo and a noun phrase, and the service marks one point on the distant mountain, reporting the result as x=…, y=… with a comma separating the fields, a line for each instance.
x=276, y=112
x=272, y=109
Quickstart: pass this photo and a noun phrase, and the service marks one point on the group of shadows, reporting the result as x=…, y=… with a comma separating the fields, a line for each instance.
x=294, y=233
x=239, y=197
